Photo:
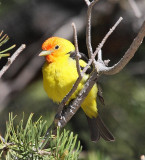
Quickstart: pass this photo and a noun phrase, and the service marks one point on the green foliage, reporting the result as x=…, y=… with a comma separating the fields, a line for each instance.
x=3, y=40
x=28, y=142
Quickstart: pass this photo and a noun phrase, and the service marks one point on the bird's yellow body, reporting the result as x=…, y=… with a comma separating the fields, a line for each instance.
x=58, y=79
x=59, y=75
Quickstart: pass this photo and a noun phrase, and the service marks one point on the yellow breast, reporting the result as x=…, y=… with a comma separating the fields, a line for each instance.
x=59, y=77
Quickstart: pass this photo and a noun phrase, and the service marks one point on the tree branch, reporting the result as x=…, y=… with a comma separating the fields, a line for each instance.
x=11, y=59
x=128, y=55
x=106, y=36
x=88, y=28
x=76, y=103
x=66, y=98
x=76, y=50
x=98, y=49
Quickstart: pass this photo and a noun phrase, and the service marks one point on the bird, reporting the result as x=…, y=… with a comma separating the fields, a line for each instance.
x=59, y=75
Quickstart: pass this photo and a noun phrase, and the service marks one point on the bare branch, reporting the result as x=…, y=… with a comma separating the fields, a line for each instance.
x=76, y=50
x=100, y=46
x=106, y=37
x=11, y=59
x=135, y=8
x=66, y=98
x=100, y=56
x=128, y=55
x=88, y=28
x=75, y=105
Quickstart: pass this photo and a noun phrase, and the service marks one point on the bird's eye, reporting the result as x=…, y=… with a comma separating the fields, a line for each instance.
x=56, y=47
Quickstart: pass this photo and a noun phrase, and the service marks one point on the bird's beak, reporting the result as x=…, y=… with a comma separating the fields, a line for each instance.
x=45, y=53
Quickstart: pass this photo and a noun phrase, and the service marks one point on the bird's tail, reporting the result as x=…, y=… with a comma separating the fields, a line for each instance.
x=98, y=129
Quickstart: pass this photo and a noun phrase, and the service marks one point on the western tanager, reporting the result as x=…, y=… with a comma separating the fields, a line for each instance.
x=59, y=75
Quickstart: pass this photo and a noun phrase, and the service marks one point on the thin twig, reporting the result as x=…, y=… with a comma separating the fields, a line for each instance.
x=135, y=8
x=66, y=98
x=101, y=45
x=88, y=28
x=106, y=36
x=76, y=50
x=128, y=55
x=11, y=59
x=75, y=105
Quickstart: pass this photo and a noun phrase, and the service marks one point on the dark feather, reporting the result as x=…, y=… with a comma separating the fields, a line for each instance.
x=84, y=58
x=98, y=129
x=99, y=94
x=95, y=135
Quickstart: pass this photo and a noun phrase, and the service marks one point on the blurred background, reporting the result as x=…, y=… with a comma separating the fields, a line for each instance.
x=30, y=22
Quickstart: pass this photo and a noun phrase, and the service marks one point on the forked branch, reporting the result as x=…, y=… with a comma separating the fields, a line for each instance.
x=127, y=56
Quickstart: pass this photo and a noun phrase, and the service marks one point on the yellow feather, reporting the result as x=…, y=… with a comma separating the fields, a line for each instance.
x=58, y=79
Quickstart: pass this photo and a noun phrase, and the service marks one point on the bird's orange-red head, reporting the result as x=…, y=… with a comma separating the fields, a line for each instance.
x=55, y=47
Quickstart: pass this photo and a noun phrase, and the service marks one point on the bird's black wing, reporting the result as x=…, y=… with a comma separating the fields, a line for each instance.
x=84, y=58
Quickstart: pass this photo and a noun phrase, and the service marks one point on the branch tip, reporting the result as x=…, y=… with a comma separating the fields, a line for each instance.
x=11, y=59
x=106, y=62
x=87, y=2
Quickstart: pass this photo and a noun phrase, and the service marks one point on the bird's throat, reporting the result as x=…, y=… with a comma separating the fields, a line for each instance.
x=51, y=58
x=56, y=57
